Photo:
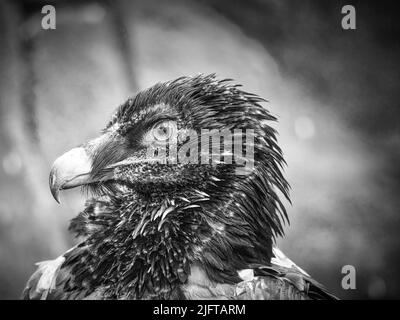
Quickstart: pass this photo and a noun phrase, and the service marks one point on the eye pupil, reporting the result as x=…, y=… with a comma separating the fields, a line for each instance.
x=163, y=131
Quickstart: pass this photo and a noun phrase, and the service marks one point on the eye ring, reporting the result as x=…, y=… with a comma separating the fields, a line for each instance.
x=164, y=131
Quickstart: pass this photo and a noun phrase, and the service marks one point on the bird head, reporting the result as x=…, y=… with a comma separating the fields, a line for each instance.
x=195, y=156
x=168, y=137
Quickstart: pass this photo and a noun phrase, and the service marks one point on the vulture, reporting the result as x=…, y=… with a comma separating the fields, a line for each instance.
x=171, y=214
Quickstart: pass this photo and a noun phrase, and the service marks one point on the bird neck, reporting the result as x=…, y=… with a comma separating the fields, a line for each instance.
x=143, y=247
x=139, y=249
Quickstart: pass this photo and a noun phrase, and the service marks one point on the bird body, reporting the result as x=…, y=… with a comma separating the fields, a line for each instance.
x=279, y=281
x=172, y=229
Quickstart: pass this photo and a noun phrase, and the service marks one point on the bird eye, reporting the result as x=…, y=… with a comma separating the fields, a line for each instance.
x=164, y=131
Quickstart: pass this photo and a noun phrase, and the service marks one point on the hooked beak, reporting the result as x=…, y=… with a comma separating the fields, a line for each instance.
x=70, y=170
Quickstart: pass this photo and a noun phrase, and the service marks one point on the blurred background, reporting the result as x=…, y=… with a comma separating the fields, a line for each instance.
x=335, y=92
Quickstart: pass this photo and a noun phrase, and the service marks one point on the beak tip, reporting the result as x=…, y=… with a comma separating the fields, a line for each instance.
x=56, y=194
x=56, y=197
x=54, y=188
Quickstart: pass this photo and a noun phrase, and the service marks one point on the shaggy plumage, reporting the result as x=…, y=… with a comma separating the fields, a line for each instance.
x=167, y=230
